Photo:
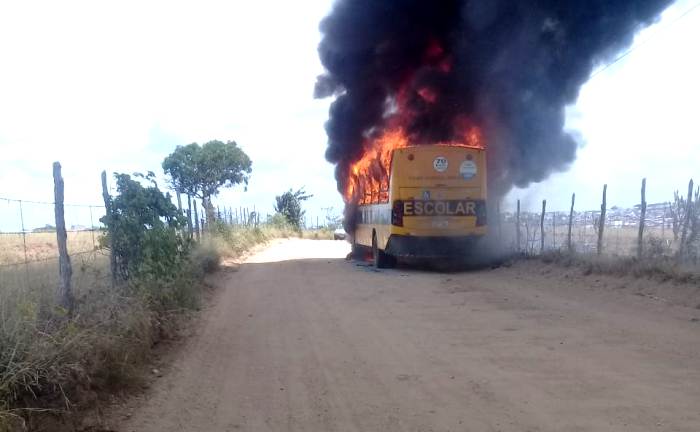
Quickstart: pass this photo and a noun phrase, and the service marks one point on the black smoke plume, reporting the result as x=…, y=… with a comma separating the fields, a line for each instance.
x=508, y=66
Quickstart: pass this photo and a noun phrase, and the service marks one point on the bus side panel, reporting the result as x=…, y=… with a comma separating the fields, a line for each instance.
x=374, y=217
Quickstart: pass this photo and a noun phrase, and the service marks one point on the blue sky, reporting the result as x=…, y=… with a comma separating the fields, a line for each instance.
x=117, y=86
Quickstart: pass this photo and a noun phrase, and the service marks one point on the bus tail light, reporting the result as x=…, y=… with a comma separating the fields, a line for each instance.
x=397, y=213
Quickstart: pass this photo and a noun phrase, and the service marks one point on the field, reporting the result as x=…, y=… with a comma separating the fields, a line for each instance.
x=42, y=246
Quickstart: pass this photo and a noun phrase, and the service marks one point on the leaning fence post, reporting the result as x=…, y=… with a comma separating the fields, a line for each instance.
x=65, y=272
x=686, y=219
x=108, y=222
x=544, y=206
x=571, y=220
x=642, y=216
x=517, y=227
x=601, y=222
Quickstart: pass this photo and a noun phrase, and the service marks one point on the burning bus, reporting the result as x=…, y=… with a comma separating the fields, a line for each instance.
x=416, y=84
x=418, y=201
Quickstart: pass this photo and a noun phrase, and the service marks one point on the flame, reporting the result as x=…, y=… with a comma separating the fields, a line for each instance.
x=367, y=180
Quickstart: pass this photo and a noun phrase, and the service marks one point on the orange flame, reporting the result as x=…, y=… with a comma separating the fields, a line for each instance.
x=368, y=177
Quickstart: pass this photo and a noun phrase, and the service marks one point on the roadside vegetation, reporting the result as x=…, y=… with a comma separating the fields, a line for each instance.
x=132, y=291
x=139, y=281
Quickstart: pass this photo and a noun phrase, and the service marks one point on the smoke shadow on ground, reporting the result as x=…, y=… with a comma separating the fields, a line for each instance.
x=442, y=265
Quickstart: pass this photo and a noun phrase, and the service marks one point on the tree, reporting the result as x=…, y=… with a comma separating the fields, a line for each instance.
x=145, y=230
x=202, y=170
x=289, y=205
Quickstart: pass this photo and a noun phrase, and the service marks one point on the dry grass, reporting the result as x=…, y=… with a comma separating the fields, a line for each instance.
x=658, y=267
x=232, y=242
x=42, y=246
x=616, y=240
x=318, y=234
x=51, y=361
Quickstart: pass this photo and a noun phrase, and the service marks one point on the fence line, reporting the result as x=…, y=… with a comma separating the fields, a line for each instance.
x=613, y=230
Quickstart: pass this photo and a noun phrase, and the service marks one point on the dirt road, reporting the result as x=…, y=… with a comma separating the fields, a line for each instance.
x=301, y=340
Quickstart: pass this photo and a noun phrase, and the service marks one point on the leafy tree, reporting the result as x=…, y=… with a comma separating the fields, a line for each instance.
x=202, y=170
x=146, y=229
x=289, y=205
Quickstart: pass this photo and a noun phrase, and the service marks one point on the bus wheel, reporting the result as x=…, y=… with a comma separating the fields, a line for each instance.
x=381, y=259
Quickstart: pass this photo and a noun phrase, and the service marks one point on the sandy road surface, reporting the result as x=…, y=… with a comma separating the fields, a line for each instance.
x=300, y=339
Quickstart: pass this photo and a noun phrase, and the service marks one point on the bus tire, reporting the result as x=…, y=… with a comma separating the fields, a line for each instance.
x=381, y=258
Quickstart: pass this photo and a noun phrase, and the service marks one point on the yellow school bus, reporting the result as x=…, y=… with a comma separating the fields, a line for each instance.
x=433, y=206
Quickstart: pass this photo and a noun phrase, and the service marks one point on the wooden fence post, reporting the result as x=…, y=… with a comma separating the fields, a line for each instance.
x=601, y=222
x=65, y=271
x=196, y=220
x=571, y=220
x=108, y=221
x=642, y=216
x=686, y=219
x=544, y=206
x=517, y=228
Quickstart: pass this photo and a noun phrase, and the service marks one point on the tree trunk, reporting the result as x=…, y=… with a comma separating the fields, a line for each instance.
x=209, y=211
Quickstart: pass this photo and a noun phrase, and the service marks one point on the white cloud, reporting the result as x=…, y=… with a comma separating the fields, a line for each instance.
x=117, y=86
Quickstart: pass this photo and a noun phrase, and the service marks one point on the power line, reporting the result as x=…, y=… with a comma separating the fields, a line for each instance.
x=644, y=42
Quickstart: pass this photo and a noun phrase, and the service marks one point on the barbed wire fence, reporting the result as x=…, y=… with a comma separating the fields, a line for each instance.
x=28, y=232
x=646, y=228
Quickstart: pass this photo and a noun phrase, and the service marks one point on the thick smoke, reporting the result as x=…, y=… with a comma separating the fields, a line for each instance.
x=508, y=66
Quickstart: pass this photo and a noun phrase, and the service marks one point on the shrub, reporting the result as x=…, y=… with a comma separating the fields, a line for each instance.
x=206, y=255
x=145, y=231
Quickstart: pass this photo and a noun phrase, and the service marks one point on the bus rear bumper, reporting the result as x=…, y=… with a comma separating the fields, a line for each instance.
x=401, y=246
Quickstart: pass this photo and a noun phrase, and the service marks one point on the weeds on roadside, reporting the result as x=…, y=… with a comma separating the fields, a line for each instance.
x=657, y=262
